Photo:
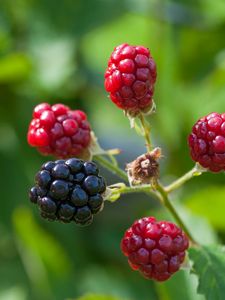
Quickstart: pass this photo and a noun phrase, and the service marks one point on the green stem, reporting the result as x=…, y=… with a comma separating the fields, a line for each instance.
x=123, y=189
x=196, y=171
x=113, y=160
x=165, y=199
x=146, y=131
x=111, y=167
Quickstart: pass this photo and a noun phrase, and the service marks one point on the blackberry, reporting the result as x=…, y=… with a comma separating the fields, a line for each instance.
x=130, y=78
x=156, y=249
x=68, y=190
x=207, y=142
x=59, y=131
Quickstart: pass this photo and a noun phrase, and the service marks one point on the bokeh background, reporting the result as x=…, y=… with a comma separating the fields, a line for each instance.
x=56, y=51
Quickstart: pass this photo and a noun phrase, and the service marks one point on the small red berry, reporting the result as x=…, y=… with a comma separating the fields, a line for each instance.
x=156, y=249
x=59, y=131
x=130, y=78
x=207, y=142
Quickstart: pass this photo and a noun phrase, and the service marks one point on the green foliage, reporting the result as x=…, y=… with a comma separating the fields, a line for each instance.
x=97, y=297
x=183, y=283
x=209, y=202
x=40, y=242
x=209, y=265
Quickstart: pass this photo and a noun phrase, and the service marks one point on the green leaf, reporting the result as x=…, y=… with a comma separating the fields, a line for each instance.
x=181, y=285
x=209, y=265
x=209, y=202
x=37, y=240
x=97, y=297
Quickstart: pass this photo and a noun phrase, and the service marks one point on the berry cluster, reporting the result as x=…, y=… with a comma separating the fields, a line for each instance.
x=130, y=78
x=69, y=190
x=59, y=131
x=207, y=142
x=156, y=249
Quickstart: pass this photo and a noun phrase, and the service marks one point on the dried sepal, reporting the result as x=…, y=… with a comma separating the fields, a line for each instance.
x=145, y=168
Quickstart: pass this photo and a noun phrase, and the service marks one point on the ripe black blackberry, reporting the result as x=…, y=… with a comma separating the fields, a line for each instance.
x=69, y=190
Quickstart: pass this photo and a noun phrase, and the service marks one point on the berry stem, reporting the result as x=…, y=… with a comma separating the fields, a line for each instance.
x=124, y=189
x=111, y=167
x=162, y=193
x=196, y=171
x=146, y=132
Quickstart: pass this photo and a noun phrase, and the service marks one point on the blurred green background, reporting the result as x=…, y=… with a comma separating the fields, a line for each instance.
x=57, y=51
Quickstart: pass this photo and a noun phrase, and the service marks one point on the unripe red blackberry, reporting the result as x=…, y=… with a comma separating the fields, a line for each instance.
x=155, y=248
x=130, y=78
x=207, y=142
x=69, y=190
x=59, y=131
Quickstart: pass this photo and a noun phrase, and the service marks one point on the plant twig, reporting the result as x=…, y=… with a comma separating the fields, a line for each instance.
x=165, y=199
x=123, y=189
x=196, y=171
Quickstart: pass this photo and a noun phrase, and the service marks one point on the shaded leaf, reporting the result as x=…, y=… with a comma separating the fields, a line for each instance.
x=209, y=202
x=209, y=265
x=40, y=242
x=183, y=283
